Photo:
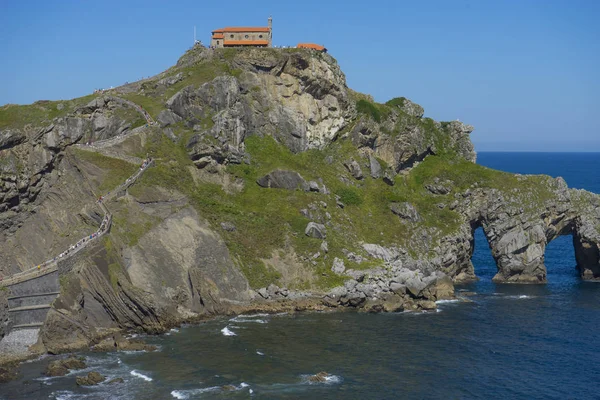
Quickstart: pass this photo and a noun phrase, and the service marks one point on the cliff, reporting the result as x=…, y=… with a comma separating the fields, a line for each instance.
x=273, y=185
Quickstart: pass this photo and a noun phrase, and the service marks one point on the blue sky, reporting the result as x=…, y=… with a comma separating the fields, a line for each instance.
x=525, y=73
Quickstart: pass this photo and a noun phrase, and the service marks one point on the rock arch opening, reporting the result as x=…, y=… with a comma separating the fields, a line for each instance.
x=524, y=251
x=559, y=258
x=484, y=265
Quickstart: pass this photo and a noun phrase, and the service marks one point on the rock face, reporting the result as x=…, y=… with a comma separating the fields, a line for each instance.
x=232, y=124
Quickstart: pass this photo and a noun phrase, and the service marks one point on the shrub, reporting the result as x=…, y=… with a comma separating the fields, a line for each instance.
x=396, y=102
x=368, y=108
x=349, y=197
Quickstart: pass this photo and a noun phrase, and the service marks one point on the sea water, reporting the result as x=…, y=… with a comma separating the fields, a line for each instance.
x=505, y=342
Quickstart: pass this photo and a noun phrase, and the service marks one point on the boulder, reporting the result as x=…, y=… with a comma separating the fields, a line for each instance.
x=283, y=179
x=117, y=342
x=116, y=380
x=338, y=266
x=375, y=167
x=315, y=230
x=388, y=177
x=92, y=378
x=313, y=186
x=438, y=187
x=443, y=288
x=319, y=377
x=354, y=168
x=405, y=211
x=62, y=367
x=228, y=226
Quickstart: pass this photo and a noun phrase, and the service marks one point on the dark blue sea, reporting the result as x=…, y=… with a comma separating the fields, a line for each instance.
x=509, y=342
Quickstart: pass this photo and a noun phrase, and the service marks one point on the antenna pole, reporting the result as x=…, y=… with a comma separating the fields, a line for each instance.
x=194, y=34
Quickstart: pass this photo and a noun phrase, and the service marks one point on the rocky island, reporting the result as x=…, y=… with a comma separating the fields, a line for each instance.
x=251, y=179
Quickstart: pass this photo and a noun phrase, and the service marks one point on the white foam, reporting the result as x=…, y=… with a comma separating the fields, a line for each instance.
x=333, y=379
x=329, y=380
x=260, y=353
x=227, y=332
x=139, y=375
x=522, y=296
x=250, y=318
x=185, y=394
x=64, y=395
x=178, y=394
x=243, y=385
x=174, y=330
x=447, y=301
x=253, y=315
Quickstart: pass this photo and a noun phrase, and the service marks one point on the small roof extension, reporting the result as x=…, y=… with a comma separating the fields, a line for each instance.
x=312, y=46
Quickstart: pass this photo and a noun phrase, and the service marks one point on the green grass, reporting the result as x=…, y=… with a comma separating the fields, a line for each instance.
x=151, y=104
x=115, y=171
x=39, y=113
x=396, y=102
x=370, y=109
x=115, y=270
x=349, y=196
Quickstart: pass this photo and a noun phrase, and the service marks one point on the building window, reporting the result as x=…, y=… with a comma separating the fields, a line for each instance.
x=260, y=36
x=246, y=37
x=231, y=36
x=217, y=42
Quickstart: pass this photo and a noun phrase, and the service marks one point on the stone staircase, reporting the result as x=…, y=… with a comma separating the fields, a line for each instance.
x=32, y=291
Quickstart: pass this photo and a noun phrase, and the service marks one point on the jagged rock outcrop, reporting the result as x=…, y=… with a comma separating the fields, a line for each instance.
x=518, y=233
x=92, y=378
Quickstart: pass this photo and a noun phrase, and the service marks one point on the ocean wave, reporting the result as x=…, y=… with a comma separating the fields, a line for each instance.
x=515, y=296
x=66, y=395
x=140, y=375
x=226, y=332
x=186, y=394
x=260, y=353
x=329, y=380
x=256, y=318
x=447, y=301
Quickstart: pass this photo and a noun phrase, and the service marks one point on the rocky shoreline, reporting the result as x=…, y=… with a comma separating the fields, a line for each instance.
x=349, y=298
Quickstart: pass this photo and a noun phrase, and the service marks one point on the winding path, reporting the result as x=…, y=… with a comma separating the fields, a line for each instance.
x=34, y=290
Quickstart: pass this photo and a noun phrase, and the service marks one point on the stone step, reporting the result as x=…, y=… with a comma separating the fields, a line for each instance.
x=28, y=314
x=28, y=308
x=28, y=326
x=32, y=299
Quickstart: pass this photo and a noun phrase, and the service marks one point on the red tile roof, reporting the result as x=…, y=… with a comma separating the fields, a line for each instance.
x=311, y=46
x=217, y=36
x=246, y=43
x=246, y=29
x=242, y=29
